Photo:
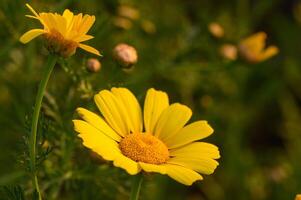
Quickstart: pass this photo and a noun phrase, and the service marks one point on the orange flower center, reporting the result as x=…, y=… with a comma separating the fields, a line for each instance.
x=144, y=147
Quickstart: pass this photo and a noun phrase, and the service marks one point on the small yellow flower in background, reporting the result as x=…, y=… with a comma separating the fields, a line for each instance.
x=298, y=197
x=63, y=33
x=216, y=30
x=156, y=141
x=253, y=48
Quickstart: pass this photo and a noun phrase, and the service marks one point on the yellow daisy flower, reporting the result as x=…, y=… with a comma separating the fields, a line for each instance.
x=159, y=141
x=253, y=48
x=63, y=33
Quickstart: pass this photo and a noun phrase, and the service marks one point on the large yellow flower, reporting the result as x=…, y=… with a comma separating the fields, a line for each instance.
x=253, y=48
x=164, y=144
x=63, y=33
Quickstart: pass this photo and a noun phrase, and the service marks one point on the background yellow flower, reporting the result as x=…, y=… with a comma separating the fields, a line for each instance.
x=253, y=48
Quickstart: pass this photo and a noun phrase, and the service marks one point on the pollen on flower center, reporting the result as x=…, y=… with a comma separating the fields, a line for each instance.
x=144, y=147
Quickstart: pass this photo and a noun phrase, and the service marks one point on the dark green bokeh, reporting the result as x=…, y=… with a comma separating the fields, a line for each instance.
x=254, y=108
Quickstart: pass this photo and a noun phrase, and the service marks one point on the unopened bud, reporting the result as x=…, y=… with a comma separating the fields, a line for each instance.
x=93, y=65
x=125, y=55
x=229, y=51
x=216, y=30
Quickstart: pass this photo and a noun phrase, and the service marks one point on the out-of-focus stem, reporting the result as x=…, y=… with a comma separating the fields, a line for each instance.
x=35, y=118
x=136, y=185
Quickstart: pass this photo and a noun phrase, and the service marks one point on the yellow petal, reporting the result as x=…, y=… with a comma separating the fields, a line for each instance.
x=153, y=168
x=36, y=15
x=48, y=20
x=33, y=17
x=68, y=15
x=172, y=120
x=182, y=174
x=32, y=10
x=60, y=24
x=77, y=21
x=255, y=42
x=129, y=165
x=111, y=110
x=29, y=35
x=154, y=104
x=190, y=133
x=89, y=49
x=85, y=38
x=132, y=108
x=98, y=123
x=196, y=150
x=203, y=165
x=269, y=52
x=178, y=173
x=96, y=140
x=86, y=24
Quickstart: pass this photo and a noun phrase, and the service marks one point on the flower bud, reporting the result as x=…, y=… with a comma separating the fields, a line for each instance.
x=229, y=51
x=125, y=55
x=216, y=30
x=93, y=65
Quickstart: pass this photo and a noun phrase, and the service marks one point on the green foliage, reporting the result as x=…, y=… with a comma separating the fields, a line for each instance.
x=254, y=108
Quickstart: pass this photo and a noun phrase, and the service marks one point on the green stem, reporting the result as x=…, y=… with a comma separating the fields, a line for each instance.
x=35, y=118
x=136, y=185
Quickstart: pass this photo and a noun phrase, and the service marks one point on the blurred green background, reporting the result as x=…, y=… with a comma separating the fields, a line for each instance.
x=254, y=108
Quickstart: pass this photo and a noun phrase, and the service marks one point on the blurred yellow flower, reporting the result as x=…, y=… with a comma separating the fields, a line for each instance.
x=298, y=197
x=165, y=145
x=63, y=33
x=253, y=48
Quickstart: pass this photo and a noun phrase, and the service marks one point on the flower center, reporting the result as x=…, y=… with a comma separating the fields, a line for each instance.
x=56, y=43
x=144, y=147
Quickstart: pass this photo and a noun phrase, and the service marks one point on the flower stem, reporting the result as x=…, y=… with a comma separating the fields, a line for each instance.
x=136, y=185
x=35, y=118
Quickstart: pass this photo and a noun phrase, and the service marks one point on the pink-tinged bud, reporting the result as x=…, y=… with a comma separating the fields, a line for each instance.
x=229, y=51
x=216, y=29
x=125, y=55
x=93, y=65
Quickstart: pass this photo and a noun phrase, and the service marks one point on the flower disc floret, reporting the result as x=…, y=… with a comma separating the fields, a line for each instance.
x=144, y=147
